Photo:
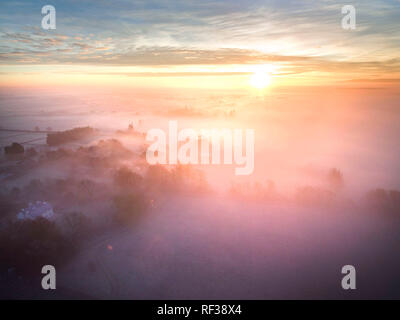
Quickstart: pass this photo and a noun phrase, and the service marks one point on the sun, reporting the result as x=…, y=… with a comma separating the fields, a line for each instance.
x=260, y=79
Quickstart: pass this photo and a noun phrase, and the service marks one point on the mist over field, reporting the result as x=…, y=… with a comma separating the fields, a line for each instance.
x=323, y=194
x=293, y=107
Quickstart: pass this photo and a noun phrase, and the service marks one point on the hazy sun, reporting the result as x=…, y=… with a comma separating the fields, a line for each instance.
x=260, y=79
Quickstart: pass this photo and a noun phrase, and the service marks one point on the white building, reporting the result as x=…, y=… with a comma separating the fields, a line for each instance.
x=37, y=209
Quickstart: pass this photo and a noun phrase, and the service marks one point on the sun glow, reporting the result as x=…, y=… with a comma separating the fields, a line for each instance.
x=260, y=79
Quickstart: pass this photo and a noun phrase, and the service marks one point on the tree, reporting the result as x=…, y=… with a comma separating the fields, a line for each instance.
x=335, y=179
x=129, y=208
x=126, y=178
x=27, y=245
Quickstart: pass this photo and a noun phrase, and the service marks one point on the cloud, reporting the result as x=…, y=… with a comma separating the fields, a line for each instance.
x=300, y=36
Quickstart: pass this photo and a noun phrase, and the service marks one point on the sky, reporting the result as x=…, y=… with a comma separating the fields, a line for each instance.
x=195, y=43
